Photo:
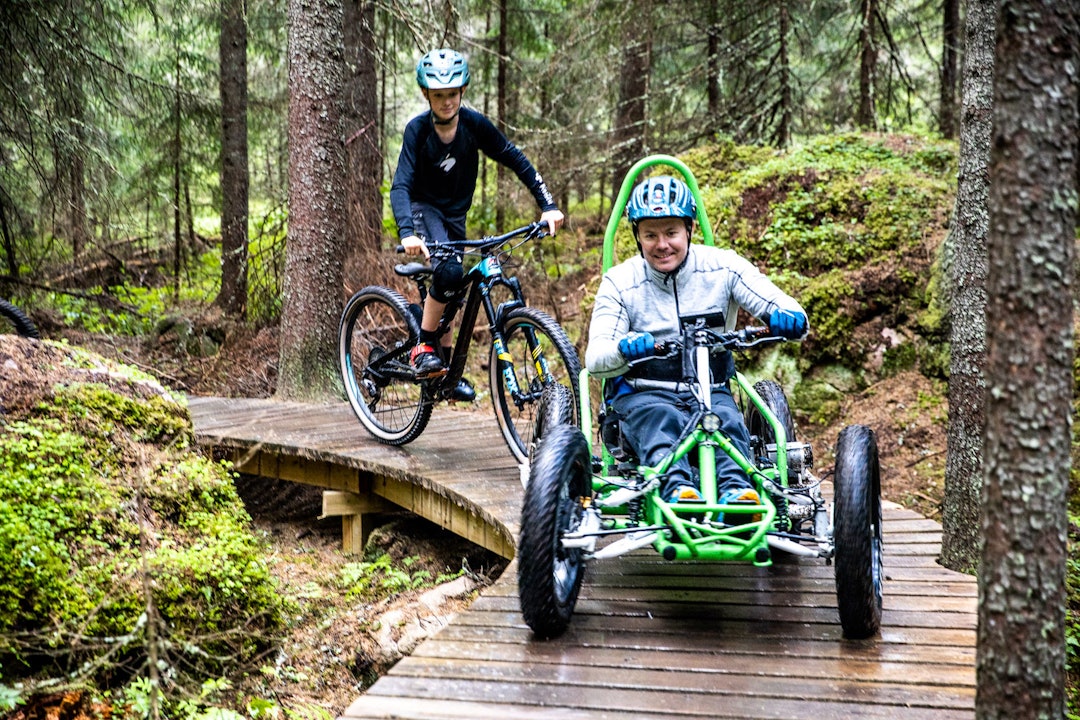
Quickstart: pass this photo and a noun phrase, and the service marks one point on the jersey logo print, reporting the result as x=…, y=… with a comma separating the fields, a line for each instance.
x=447, y=163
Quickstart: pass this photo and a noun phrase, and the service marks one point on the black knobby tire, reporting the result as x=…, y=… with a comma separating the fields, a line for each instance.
x=549, y=575
x=775, y=399
x=525, y=331
x=556, y=408
x=857, y=534
x=17, y=319
x=376, y=333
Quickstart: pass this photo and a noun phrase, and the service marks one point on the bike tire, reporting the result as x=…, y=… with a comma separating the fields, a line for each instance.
x=857, y=534
x=524, y=332
x=556, y=408
x=549, y=575
x=16, y=318
x=775, y=399
x=376, y=333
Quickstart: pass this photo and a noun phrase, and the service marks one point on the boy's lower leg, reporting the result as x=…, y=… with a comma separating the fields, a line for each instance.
x=425, y=358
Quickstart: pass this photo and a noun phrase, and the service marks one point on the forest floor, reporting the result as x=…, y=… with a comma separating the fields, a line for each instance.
x=337, y=645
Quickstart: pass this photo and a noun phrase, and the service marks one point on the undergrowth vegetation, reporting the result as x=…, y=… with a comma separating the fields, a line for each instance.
x=124, y=553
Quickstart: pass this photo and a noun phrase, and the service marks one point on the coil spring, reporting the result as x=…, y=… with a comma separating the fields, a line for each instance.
x=633, y=512
x=783, y=519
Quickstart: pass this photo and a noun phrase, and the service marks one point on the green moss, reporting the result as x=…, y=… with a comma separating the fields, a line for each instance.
x=98, y=486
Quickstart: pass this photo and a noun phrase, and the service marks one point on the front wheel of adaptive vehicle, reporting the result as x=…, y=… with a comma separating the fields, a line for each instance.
x=857, y=534
x=556, y=408
x=550, y=575
x=376, y=333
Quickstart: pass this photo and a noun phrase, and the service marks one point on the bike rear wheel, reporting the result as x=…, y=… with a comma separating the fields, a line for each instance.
x=376, y=333
x=537, y=353
x=12, y=318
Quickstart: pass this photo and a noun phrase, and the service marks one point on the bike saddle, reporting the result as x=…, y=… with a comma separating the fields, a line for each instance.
x=412, y=269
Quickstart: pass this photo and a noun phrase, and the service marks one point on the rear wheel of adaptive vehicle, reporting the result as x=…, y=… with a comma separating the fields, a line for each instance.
x=537, y=353
x=549, y=575
x=376, y=333
x=857, y=535
x=761, y=432
x=14, y=319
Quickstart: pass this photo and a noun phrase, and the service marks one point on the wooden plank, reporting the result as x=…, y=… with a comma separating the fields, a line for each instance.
x=688, y=640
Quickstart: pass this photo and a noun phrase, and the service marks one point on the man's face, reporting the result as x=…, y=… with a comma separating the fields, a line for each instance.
x=664, y=242
x=444, y=103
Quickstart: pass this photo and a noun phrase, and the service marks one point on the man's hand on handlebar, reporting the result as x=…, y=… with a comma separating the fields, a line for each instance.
x=637, y=345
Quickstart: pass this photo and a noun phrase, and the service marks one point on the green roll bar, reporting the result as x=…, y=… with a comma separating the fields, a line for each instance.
x=624, y=194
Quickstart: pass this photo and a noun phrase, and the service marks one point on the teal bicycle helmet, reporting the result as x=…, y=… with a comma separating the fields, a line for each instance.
x=661, y=197
x=442, y=69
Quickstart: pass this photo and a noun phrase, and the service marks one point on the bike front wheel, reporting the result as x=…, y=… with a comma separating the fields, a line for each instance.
x=376, y=333
x=535, y=354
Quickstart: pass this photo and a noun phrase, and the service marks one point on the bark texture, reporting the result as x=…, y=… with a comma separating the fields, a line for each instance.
x=966, y=261
x=232, y=298
x=312, y=296
x=362, y=132
x=1021, y=639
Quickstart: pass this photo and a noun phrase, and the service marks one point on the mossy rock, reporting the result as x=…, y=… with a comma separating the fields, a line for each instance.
x=102, y=497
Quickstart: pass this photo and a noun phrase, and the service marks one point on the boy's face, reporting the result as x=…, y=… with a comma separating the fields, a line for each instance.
x=444, y=103
x=664, y=242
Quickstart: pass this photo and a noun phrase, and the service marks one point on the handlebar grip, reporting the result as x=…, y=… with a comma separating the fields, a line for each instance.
x=399, y=249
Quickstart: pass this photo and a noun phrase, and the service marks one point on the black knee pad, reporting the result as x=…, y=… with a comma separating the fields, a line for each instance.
x=447, y=282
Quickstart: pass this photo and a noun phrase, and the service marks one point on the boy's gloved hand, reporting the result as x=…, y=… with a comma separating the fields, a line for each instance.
x=636, y=346
x=788, y=324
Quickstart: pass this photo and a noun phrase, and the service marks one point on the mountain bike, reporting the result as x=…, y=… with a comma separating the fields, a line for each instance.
x=528, y=351
x=12, y=319
x=586, y=502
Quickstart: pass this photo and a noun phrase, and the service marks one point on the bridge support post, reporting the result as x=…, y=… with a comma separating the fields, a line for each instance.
x=353, y=509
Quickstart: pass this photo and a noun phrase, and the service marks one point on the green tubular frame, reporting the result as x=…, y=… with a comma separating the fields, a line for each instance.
x=690, y=539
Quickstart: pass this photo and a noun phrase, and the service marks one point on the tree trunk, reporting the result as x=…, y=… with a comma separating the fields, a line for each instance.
x=501, y=92
x=950, y=40
x=630, y=112
x=712, y=71
x=783, y=130
x=867, y=66
x=966, y=272
x=311, y=299
x=1020, y=656
x=177, y=160
x=363, y=156
x=232, y=298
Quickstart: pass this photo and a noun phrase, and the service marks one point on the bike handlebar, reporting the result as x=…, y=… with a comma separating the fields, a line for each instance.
x=530, y=231
x=744, y=339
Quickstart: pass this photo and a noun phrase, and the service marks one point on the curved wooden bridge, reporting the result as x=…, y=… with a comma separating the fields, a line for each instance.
x=649, y=639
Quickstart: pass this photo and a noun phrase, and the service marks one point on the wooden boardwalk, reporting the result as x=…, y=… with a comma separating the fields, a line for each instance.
x=649, y=639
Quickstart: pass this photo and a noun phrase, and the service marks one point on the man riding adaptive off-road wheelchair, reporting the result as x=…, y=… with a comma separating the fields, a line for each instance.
x=731, y=485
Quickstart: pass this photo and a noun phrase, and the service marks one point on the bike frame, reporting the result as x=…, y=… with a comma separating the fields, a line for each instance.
x=482, y=278
x=681, y=531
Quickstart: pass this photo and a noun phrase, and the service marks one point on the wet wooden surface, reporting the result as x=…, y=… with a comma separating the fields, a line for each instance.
x=649, y=639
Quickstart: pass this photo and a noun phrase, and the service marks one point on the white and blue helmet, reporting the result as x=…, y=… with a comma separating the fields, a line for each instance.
x=442, y=69
x=661, y=197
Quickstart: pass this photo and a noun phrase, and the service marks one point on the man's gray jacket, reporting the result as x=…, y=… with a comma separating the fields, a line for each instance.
x=635, y=297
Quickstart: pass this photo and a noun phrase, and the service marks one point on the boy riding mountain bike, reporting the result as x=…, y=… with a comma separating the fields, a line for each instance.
x=433, y=190
x=639, y=305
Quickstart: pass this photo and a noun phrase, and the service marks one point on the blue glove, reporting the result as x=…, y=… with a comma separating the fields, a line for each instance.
x=788, y=324
x=636, y=346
